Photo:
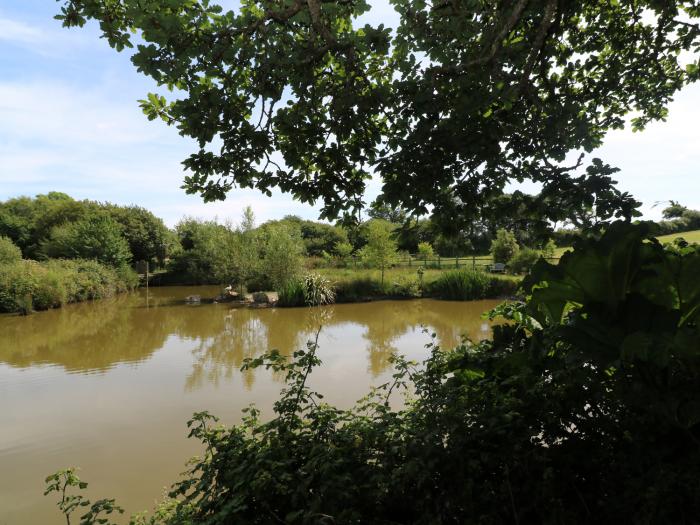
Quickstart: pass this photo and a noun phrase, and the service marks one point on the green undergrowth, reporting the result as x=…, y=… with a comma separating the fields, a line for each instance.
x=26, y=285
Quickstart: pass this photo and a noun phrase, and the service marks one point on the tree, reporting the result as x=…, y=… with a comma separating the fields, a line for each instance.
x=207, y=254
x=343, y=250
x=283, y=250
x=425, y=251
x=148, y=237
x=451, y=103
x=246, y=256
x=504, y=246
x=393, y=214
x=96, y=237
x=380, y=250
x=674, y=211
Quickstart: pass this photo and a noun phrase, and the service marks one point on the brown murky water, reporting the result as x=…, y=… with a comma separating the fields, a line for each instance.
x=109, y=386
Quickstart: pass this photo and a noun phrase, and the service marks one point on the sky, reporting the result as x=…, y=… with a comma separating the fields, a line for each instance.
x=70, y=122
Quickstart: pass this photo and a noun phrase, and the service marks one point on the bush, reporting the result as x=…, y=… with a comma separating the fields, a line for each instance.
x=524, y=260
x=9, y=253
x=406, y=286
x=30, y=285
x=461, y=285
x=17, y=286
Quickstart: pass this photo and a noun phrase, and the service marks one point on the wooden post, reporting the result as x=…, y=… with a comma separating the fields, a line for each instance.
x=473, y=262
x=439, y=264
x=457, y=262
x=409, y=260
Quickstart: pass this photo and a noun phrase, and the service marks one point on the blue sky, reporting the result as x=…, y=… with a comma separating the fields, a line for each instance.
x=70, y=121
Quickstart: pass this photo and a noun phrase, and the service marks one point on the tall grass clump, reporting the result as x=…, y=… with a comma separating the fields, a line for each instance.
x=462, y=285
x=312, y=289
x=291, y=293
x=27, y=285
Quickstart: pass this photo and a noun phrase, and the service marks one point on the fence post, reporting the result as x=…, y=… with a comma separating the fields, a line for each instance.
x=457, y=262
x=439, y=263
x=409, y=260
x=473, y=262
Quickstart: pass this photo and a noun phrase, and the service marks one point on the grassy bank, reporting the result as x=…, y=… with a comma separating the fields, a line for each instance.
x=27, y=285
x=691, y=236
x=361, y=285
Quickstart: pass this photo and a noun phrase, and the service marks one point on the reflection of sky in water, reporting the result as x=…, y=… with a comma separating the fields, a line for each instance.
x=109, y=386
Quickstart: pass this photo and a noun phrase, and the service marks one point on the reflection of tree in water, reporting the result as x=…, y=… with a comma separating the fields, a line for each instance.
x=95, y=336
x=242, y=334
x=84, y=337
x=387, y=322
x=246, y=333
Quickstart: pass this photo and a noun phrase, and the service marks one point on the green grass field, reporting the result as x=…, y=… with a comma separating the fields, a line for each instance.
x=692, y=236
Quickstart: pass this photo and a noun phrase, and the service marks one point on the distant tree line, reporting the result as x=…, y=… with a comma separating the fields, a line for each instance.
x=57, y=226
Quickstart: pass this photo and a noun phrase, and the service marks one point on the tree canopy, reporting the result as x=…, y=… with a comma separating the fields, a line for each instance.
x=447, y=108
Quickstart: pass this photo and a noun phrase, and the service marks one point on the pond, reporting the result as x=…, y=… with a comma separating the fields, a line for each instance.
x=109, y=386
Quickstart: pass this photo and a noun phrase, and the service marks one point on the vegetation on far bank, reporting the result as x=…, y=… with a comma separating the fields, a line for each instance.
x=27, y=285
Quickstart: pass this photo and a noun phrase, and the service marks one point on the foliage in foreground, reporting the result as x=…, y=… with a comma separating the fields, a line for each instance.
x=30, y=285
x=585, y=407
x=62, y=482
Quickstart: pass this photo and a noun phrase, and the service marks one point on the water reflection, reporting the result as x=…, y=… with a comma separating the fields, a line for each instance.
x=109, y=385
x=94, y=337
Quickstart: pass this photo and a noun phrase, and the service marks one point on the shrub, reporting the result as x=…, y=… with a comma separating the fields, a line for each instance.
x=504, y=246
x=17, y=285
x=9, y=253
x=461, y=285
x=406, y=286
x=524, y=260
x=30, y=285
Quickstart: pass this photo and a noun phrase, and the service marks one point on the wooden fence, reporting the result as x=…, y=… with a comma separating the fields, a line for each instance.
x=475, y=262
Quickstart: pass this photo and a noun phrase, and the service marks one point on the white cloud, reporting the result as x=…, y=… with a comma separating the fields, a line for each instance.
x=18, y=32
x=54, y=113
x=47, y=39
